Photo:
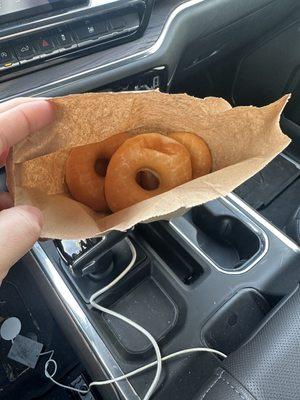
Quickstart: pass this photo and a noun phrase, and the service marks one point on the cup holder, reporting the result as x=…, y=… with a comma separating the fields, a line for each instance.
x=222, y=235
x=225, y=238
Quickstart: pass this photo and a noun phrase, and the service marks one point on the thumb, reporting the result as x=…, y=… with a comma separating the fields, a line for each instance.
x=20, y=228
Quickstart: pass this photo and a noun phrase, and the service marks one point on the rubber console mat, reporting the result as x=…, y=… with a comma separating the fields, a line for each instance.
x=260, y=190
x=283, y=208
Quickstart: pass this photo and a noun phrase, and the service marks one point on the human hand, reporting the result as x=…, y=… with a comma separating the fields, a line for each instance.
x=20, y=226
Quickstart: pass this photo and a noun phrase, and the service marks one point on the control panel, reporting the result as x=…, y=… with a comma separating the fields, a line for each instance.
x=70, y=39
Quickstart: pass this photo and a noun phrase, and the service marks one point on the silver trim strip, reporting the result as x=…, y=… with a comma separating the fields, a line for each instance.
x=250, y=264
x=123, y=61
x=86, y=328
x=259, y=218
x=291, y=160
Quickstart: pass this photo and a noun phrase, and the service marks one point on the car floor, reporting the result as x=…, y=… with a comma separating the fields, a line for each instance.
x=21, y=298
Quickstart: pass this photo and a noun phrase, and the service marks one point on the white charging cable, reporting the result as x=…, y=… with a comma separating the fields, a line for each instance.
x=159, y=359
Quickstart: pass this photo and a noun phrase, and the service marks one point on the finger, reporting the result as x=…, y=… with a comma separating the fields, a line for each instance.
x=6, y=201
x=8, y=105
x=20, y=228
x=19, y=122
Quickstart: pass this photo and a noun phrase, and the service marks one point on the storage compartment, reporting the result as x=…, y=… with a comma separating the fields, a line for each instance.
x=234, y=322
x=221, y=234
x=103, y=271
x=227, y=240
x=187, y=269
x=146, y=297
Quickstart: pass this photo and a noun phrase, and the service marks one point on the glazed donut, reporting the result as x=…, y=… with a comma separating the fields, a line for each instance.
x=199, y=151
x=86, y=169
x=167, y=159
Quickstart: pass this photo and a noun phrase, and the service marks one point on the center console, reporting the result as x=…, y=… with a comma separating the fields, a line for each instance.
x=207, y=278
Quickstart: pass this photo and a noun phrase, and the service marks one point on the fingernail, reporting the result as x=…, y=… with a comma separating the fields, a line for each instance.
x=45, y=109
x=35, y=214
x=52, y=108
x=37, y=98
x=48, y=101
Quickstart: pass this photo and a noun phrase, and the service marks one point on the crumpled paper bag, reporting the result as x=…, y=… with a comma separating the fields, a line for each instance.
x=242, y=141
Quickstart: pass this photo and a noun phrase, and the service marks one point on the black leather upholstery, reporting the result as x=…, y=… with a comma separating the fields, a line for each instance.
x=267, y=367
x=224, y=386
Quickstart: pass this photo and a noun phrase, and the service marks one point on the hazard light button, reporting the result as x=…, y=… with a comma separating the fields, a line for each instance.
x=46, y=45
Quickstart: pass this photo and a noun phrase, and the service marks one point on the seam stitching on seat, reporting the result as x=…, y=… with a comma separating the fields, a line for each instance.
x=211, y=386
x=233, y=388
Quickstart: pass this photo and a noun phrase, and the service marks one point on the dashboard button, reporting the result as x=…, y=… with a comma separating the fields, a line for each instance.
x=86, y=31
x=118, y=23
x=65, y=40
x=90, y=30
x=46, y=45
x=101, y=27
x=25, y=51
x=6, y=56
x=8, y=59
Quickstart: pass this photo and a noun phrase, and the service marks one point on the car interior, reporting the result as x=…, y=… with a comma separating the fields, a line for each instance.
x=225, y=275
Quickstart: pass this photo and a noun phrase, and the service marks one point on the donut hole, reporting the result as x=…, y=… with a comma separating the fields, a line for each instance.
x=147, y=179
x=101, y=166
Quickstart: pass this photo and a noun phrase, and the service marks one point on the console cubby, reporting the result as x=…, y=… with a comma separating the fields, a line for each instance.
x=148, y=298
x=229, y=241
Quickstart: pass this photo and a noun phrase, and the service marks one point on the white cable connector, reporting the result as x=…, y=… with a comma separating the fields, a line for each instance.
x=159, y=359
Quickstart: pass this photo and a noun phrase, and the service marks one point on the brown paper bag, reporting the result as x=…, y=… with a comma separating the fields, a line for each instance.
x=242, y=141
